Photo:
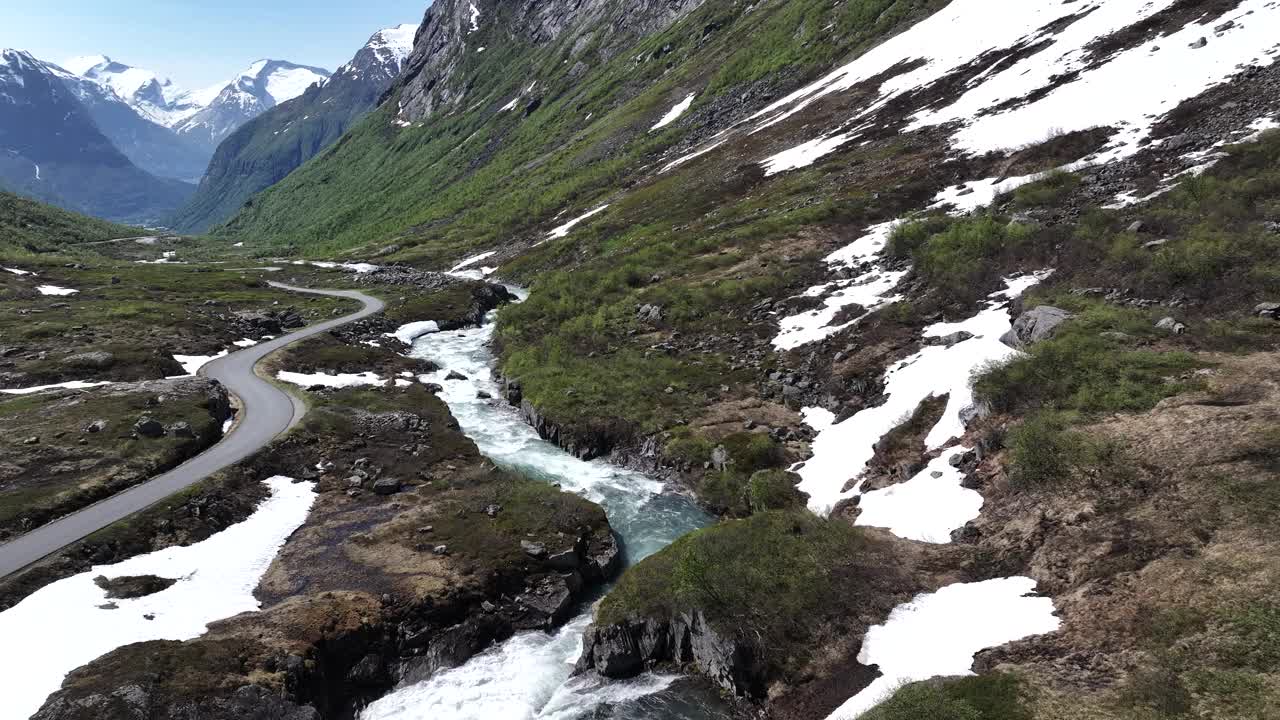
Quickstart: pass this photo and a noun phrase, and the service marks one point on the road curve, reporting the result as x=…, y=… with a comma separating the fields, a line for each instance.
x=265, y=412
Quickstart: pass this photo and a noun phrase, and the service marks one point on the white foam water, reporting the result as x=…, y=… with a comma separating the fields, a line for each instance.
x=529, y=675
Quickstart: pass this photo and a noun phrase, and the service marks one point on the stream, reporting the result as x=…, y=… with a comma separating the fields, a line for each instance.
x=528, y=676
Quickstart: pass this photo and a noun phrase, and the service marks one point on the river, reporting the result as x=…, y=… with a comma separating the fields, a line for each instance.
x=529, y=676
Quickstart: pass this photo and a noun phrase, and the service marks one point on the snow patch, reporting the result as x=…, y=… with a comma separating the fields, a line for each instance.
x=841, y=452
x=564, y=229
x=409, y=332
x=55, y=290
x=870, y=290
x=216, y=579
x=1175, y=67
x=343, y=380
x=674, y=113
x=928, y=507
x=72, y=385
x=191, y=364
x=937, y=634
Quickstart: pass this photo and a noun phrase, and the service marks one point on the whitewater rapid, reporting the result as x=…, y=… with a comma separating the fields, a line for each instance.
x=529, y=676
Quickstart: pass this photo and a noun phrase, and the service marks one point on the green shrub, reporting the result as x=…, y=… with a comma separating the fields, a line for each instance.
x=1048, y=191
x=994, y=696
x=1082, y=369
x=1045, y=452
x=962, y=258
x=775, y=490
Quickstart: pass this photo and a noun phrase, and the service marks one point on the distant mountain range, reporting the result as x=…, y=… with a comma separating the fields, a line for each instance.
x=101, y=137
x=202, y=117
x=53, y=149
x=266, y=149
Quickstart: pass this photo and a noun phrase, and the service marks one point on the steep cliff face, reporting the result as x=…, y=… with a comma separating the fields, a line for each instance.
x=584, y=32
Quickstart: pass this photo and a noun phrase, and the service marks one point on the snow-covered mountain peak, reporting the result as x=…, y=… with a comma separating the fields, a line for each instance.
x=398, y=40
x=383, y=56
x=16, y=59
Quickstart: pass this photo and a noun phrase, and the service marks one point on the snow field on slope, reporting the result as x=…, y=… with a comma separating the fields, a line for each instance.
x=674, y=113
x=937, y=635
x=1129, y=91
x=564, y=229
x=216, y=579
x=841, y=451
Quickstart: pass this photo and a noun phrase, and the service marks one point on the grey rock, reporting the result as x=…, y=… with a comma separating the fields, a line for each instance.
x=720, y=458
x=96, y=426
x=1137, y=226
x=33, y=440
x=1198, y=43
x=534, y=550
x=97, y=360
x=149, y=427
x=386, y=486
x=649, y=313
x=954, y=338
x=565, y=560
x=1268, y=309
x=1035, y=325
x=1171, y=325
x=181, y=429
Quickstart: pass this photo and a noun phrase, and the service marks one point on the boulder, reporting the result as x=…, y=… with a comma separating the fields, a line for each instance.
x=181, y=429
x=565, y=560
x=96, y=360
x=455, y=375
x=1171, y=325
x=720, y=458
x=148, y=427
x=649, y=313
x=96, y=426
x=1268, y=310
x=954, y=338
x=534, y=550
x=1035, y=325
x=387, y=486
x=125, y=588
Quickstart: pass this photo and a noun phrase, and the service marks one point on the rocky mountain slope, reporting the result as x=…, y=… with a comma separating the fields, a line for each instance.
x=796, y=235
x=963, y=333
x=51, y=149
x=269, y=147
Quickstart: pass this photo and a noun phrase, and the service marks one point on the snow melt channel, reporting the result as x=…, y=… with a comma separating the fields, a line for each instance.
x=70, y=622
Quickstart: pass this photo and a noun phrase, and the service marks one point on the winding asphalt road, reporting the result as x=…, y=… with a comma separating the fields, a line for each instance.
x=265, y=412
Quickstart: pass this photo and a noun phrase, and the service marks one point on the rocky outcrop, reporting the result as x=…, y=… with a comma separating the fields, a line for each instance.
x=585, y=444
x=626, y=650
x=592, y=31
x=1035, y=325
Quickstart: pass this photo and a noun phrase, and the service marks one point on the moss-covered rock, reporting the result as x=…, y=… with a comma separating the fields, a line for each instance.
x=751, y=603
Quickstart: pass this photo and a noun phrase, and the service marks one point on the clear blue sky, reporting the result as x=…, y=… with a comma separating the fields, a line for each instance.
x=201, y=42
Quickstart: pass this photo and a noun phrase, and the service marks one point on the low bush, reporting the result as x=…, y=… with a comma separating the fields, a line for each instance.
x=994, y=696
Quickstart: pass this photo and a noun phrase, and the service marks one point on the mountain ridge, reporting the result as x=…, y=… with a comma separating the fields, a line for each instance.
x=55, y=152
x=266, y=149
